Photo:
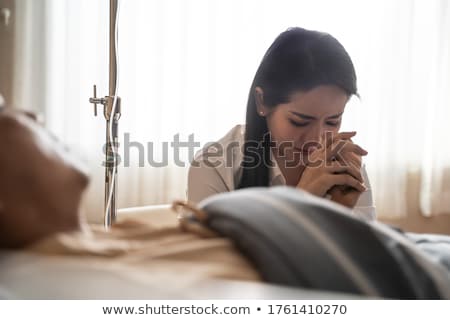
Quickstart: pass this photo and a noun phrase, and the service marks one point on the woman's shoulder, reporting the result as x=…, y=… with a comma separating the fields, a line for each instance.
x=235, y=134
x=229, y=144
x=216, y=167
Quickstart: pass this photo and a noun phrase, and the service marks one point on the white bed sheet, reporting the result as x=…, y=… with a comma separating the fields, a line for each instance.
x=29, y=276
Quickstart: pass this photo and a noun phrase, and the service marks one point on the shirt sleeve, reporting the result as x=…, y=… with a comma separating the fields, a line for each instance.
x=365, y=207
x=215, y=168
x=204, y=181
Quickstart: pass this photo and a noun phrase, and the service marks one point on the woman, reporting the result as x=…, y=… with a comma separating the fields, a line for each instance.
x=291, y=137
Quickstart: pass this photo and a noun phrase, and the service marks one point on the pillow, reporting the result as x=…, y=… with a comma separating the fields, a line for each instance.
x=299, y=240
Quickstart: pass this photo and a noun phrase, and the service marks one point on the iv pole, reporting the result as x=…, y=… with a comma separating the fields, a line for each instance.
x=112, y=112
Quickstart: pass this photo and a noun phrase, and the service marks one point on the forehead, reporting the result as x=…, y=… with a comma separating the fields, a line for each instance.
x=26, y=140
x=321, y=101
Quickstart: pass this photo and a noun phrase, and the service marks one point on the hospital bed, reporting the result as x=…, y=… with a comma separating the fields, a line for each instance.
x=28, y=276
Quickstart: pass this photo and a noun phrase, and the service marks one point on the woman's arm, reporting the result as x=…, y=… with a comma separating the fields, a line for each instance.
x=204, y=181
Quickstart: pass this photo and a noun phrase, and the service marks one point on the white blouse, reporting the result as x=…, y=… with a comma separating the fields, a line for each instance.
x=215, y=172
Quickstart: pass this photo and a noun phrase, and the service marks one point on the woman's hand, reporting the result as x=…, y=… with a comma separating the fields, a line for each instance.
x=335, y=164
x=345, y=195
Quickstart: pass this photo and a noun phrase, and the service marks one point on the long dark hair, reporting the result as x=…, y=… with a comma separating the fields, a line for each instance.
x=298, y=59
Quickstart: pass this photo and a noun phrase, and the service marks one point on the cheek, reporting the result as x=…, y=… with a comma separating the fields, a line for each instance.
x=285, y=134
x=286, y=137
x=281, y=129
x=336, y=129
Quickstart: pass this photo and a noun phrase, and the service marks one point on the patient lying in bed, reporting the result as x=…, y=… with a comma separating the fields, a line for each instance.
x=41, y=186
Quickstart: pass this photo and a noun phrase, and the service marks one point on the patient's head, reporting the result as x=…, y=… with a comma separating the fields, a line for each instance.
x=40, y=183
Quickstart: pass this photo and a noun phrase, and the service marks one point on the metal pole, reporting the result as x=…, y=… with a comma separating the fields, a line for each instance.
x=112, y=47
x=112, y=112
x=111, y=135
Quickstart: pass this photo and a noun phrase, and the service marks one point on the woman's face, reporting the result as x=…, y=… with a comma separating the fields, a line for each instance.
x=296, y=127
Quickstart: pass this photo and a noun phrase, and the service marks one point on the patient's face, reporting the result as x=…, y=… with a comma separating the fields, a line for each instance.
x=40, y=183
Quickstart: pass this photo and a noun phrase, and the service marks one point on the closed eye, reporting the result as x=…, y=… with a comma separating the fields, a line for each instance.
x=298, y=124
x=333, y=123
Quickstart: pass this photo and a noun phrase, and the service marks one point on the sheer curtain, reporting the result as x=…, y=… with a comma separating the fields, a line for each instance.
x=186, y=67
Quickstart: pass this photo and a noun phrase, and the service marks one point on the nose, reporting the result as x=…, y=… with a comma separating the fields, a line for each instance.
x=311, y=139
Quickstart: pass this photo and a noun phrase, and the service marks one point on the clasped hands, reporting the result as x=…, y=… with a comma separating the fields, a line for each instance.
x=334, y=169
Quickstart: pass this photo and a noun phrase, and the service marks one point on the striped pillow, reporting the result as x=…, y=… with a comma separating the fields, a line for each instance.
x=300, y=240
